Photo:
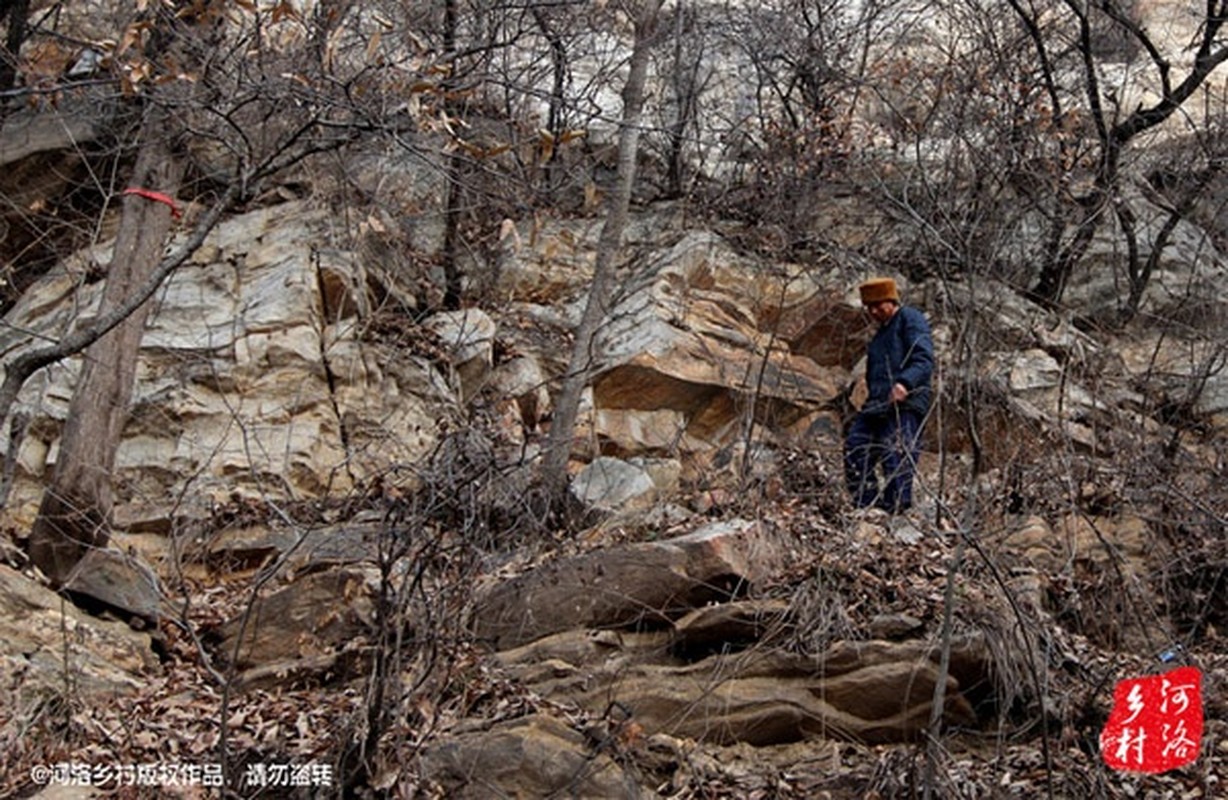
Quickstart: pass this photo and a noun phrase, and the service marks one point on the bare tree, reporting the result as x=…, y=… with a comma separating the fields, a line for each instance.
x=74, y=512
x=217, y=110
x=14, y=13
x=1117, y=126
x=1014, y=136
x=645, y=15
x=687, y=74
x=805, y=75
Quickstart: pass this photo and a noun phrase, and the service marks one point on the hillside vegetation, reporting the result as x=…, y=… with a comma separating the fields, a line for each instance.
x=447, y=399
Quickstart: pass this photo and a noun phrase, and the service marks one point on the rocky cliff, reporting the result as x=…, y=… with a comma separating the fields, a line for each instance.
x=329, y=574
x=310, y=461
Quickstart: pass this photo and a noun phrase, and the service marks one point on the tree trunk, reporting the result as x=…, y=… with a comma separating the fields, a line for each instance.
x=685, y=83
x=75, y=510
x=14, y=13
x=562, y=428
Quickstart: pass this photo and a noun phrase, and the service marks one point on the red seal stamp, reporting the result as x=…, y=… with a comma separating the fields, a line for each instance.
x=1156, y=722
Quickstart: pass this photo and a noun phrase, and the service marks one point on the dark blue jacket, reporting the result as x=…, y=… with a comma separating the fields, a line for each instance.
x=902, y=351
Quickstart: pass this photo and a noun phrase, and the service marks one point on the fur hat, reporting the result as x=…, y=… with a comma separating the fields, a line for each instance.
x=877, y=290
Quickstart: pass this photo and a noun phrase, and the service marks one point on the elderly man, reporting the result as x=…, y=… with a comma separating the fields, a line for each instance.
x=886, y=431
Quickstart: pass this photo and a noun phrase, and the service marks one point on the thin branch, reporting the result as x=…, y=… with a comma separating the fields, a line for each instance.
x=19, y=370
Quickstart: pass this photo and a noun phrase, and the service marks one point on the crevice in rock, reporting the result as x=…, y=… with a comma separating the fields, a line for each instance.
x=327, y=311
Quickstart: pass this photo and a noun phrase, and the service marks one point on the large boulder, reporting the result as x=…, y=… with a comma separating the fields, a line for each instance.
x=1040, y=392
x=610, y=484
x=873, y=692
x=695, y=345
x=640, y=585
x=530, y=757
x=469, y=337
x=118, y=582
x=47, y=644
x=304, y=628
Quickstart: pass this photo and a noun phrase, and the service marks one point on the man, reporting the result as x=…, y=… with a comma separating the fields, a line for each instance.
x=886, y=432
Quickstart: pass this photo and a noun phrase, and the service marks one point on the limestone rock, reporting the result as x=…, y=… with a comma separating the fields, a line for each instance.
x=551, y=271
x=1182, y=271
x=531, y=757
x=1040, y=391
x=1035, y=542
x=75, y=121
x=1179, y=371
x=41, y=635
x=611, y=484
x=1102, y=540
x=644, y=584
x=579, y=648
x=316, y=615
x=1095, y=540
x=469, y=335
x=253, y=375
x=690, y=348
x=522, y=380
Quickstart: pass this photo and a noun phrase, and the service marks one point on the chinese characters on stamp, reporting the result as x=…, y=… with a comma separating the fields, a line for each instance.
x=1156, y=722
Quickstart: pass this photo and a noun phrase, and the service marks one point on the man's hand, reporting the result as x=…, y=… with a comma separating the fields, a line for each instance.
x=898, y=392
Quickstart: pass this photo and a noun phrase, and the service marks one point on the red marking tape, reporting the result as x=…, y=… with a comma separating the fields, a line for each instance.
x=157, y=197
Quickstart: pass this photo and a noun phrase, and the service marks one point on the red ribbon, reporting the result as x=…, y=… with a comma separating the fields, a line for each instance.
x=157, y=197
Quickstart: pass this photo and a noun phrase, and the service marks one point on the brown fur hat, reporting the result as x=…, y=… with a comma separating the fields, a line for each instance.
x=876, y=290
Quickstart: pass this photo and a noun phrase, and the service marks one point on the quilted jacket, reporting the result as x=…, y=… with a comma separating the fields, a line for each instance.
x=902, y=351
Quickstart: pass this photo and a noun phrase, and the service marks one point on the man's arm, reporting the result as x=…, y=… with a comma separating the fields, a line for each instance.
x=918, y=366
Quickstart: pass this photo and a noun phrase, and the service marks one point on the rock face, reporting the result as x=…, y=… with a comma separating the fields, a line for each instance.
x=643, y=585
x=254, y=377
x=265, y=375
x=42, y=635
x=1081, y=549
x=530, y=757
x=257, y=378
x=698, y=346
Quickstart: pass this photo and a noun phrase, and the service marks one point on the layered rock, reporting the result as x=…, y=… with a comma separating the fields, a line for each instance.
x=697, y=348
x=48, y=645
x=873, y=692
x=643, y=585
x=535, y=756
x=255, y=377
x=658, y=630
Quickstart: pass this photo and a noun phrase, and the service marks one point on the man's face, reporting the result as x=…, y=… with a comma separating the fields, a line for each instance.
x=881, y=311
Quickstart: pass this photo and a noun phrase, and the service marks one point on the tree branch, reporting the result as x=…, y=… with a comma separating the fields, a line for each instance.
x=19, y=370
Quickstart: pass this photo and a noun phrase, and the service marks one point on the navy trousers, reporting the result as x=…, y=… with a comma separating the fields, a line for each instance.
x=890, y=442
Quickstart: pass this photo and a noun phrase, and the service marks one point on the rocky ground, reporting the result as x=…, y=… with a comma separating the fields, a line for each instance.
x=325, y=576
x=325, y=579
x=714, y=621
x=717, y=648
